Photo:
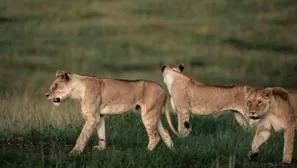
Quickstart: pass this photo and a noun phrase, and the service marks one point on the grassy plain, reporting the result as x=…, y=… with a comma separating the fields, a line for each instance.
x=220, y=42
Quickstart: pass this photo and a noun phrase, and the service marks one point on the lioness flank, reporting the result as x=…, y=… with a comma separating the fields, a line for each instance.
x=99, y=97
x=272, y=107
x=189, y=95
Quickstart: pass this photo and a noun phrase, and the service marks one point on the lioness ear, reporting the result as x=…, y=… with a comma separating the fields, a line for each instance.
x=181, y=67
x=62, y=74
x=163, y=67
x=66, y=76
x=267, y=92
x=59, y=73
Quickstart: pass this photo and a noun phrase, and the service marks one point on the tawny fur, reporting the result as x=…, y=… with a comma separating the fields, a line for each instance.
x=273, y=108
x=191, y=96
x=99, y=97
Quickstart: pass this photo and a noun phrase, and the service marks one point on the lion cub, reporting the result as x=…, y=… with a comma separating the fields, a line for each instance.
x=271, y=108
x=99, y=97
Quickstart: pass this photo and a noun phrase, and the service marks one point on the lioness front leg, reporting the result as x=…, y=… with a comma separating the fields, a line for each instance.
x=262, y=134
x=288, y=144
x=240, y=119
x=101, y=134
x=90, y=123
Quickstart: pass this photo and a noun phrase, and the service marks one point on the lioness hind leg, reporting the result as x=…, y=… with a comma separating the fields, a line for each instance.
x=150, y=120
x=165, y=135
x=101, y=134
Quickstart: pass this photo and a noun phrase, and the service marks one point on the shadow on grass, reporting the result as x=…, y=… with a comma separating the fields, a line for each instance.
x=284, y=22
x=6, y=19
x=197, y=63
x=288, y=3
x=258, y=45
x=36, y=142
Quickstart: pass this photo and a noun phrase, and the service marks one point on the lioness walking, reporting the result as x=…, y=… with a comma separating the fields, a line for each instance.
x=272, y=107
x=190, y=96
x=99, y=97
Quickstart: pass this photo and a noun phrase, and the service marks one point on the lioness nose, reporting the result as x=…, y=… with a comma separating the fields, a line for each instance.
x=253, y=112
x=47, y=94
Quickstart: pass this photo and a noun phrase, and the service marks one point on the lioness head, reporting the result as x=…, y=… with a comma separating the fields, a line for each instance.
x=171, y=74
x=179, y=69
x=258, y=102
x=60, y=89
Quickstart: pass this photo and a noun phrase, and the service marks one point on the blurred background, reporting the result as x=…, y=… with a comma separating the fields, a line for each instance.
x=220, y=42
x=250, y=42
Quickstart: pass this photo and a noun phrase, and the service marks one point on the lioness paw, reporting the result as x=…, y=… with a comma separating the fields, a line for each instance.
x=100, y=148
x=75, y=152
x=252, y=155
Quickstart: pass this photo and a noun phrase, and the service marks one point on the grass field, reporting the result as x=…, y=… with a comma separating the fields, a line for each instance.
x=220, y=42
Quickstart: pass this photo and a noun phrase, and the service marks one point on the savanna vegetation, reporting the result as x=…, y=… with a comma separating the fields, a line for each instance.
x=219, y=42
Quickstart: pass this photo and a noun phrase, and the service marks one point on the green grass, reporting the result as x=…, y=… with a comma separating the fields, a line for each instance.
x=219, y=42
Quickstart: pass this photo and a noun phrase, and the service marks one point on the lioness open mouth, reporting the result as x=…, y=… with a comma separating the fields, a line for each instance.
x=254, y=117
x=57, y=100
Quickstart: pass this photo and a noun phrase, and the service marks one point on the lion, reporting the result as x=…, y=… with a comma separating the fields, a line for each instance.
x=272, y=107
x=100, y=97
x=189, y=96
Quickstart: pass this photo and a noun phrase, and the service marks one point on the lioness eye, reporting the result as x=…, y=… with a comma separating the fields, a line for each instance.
x=259, y=102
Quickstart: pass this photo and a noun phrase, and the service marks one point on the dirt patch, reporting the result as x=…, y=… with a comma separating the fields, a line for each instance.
x=31, y=143
x=267, y=165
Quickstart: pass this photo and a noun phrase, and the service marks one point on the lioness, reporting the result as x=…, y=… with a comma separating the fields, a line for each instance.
x=189, y=95
x=272, y=107
x=99, y=97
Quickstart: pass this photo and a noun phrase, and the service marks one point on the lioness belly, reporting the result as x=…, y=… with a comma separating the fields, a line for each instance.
x=115, y=109
x=203, y=110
